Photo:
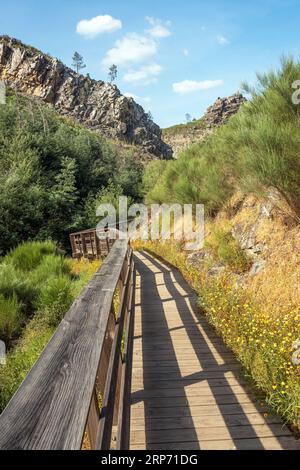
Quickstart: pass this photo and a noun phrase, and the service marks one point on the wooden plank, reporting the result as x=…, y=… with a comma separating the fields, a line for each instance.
x=178, y=370
x=204, y=433
x=173, y=400
x=210, y=421
x=267, y=443
x=197, y=410
x=175, y=389
x=50, y=409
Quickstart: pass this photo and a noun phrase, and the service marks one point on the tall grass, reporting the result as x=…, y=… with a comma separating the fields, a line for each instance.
x=28, y=256
x=26, y=274
x=10, y=318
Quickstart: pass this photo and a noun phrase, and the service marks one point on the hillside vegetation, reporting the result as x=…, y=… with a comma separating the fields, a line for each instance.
x=257, y=149
x=53, y=173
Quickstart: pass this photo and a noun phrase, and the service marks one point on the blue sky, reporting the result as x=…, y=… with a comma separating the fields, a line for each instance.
x=175, y=56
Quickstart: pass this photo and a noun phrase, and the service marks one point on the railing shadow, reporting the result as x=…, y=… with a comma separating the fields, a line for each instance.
x=164, y=384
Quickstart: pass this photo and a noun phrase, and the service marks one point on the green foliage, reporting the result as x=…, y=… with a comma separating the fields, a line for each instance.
x=55, y=298
x=29, y=255
x=22, y=358
x=15, y=282
x=258, y=148
x=226, y=249
x=49, y=167
x=191, y=180
x=10, y=319
x=152, y=173
x=26, y=270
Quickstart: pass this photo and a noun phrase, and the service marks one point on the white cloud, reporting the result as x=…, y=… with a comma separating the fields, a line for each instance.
x=190, y=86
x=132, y=48
x=159, y=29
x=222, y=40
x=185, y=52
x=143, y=76
x=98, y=25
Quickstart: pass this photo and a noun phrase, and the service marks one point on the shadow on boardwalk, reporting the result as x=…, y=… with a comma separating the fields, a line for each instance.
x=187, y=388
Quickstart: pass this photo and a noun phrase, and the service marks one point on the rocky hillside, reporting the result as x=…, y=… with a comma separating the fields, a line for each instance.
x=96, y=104
x=181, y=136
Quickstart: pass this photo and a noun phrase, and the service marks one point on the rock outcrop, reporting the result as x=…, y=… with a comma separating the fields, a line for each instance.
x=98, y=105
x=180, y=137
x=222, y=110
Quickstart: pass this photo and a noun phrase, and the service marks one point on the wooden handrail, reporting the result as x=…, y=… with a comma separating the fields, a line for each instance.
x=80, y=385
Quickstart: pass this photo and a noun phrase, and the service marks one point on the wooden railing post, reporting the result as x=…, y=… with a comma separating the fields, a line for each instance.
x=93, y=419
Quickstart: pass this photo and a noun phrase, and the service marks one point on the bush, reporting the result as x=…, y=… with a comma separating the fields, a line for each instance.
x=21, y=359
x=226, y=249
x=10, y=318
x=15, y=282
x=28, y=256
x=54, y=300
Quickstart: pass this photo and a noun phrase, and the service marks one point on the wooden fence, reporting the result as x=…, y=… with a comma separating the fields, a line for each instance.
x=79, y=389
x=87, y=244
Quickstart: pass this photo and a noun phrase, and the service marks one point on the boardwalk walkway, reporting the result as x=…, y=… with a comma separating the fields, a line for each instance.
x=187, y=389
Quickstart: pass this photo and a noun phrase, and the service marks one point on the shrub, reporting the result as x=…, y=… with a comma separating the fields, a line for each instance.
x=226, y=249
x=28, y=256
x=21, y=359
x=15, y=282
x=55, y=299
x=49, y=166
x=10, y=318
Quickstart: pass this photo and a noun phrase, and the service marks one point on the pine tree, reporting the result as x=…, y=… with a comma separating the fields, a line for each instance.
x=113, y=73
x=78, y=62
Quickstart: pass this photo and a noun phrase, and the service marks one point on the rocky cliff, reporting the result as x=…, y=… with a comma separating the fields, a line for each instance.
x=96, y=104
x=180, y=137
x=222, y=110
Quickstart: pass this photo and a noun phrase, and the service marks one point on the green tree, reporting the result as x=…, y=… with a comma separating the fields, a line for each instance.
x=63, y=201
x=112, y=73
x=78, y=62
x=188, y=118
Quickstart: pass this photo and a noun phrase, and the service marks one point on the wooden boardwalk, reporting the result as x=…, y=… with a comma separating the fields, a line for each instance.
x=187, y=389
